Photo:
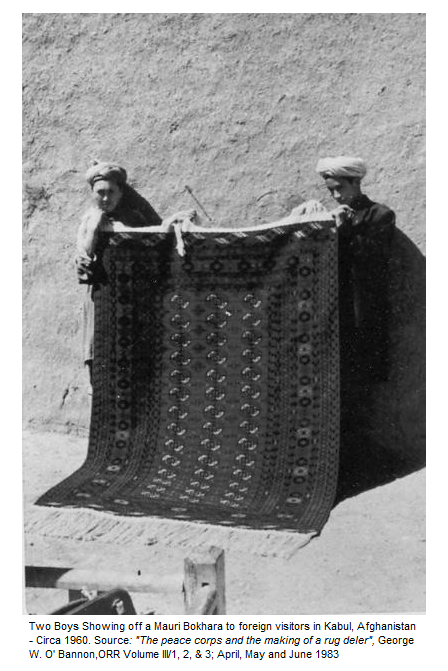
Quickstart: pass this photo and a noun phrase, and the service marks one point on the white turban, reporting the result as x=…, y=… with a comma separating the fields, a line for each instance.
x=341, y=166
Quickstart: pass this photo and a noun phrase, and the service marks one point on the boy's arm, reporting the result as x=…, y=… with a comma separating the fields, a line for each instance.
x=86, y=240
x=88, y=230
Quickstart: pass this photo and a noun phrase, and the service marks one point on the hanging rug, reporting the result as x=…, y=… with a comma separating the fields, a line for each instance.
x=216, y=383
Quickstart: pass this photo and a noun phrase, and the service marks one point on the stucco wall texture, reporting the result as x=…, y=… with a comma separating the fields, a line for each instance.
x=239, y=107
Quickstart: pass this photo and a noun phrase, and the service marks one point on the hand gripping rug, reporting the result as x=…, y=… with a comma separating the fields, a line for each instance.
x=216, y=381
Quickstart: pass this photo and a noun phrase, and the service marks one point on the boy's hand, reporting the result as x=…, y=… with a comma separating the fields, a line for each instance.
x=342, y=214
x=84, y=268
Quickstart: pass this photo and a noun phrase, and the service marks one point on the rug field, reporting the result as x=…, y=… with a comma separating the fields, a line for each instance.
x=216, y=380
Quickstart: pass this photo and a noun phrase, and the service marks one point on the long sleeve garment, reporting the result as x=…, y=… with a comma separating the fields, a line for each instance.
x=364, y=302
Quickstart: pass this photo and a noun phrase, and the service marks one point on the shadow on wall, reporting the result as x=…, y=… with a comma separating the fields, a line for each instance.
x=387, y=438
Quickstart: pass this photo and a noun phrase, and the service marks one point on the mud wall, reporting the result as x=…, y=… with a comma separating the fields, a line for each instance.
x=239, y=107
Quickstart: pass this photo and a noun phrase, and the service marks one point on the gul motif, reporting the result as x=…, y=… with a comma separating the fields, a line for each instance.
x=298, y=467
x=264, y=386
x=248, y=429
x=218, y=314
x=179, y=391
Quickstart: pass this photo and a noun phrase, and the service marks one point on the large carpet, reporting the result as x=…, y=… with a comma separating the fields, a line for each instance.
x=216, y=380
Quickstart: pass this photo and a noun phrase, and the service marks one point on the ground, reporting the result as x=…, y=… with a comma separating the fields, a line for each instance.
x=369, y=558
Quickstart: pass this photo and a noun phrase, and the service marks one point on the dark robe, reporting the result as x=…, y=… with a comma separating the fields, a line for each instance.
x=364, y=315
x=364, y=306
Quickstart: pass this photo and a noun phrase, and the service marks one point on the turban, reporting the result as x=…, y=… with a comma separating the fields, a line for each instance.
x=341, y=166
x=108, y=171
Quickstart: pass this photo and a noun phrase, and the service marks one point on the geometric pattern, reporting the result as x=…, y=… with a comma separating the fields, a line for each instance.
x=216, y=380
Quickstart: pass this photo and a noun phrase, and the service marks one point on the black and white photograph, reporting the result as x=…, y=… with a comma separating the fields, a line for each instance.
x=224, y=315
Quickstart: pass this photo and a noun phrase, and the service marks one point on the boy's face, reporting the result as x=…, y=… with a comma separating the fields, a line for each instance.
x=106, y=195
x=344, y=191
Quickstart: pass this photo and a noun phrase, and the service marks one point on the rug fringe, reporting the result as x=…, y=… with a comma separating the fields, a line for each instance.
x=90, y=525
